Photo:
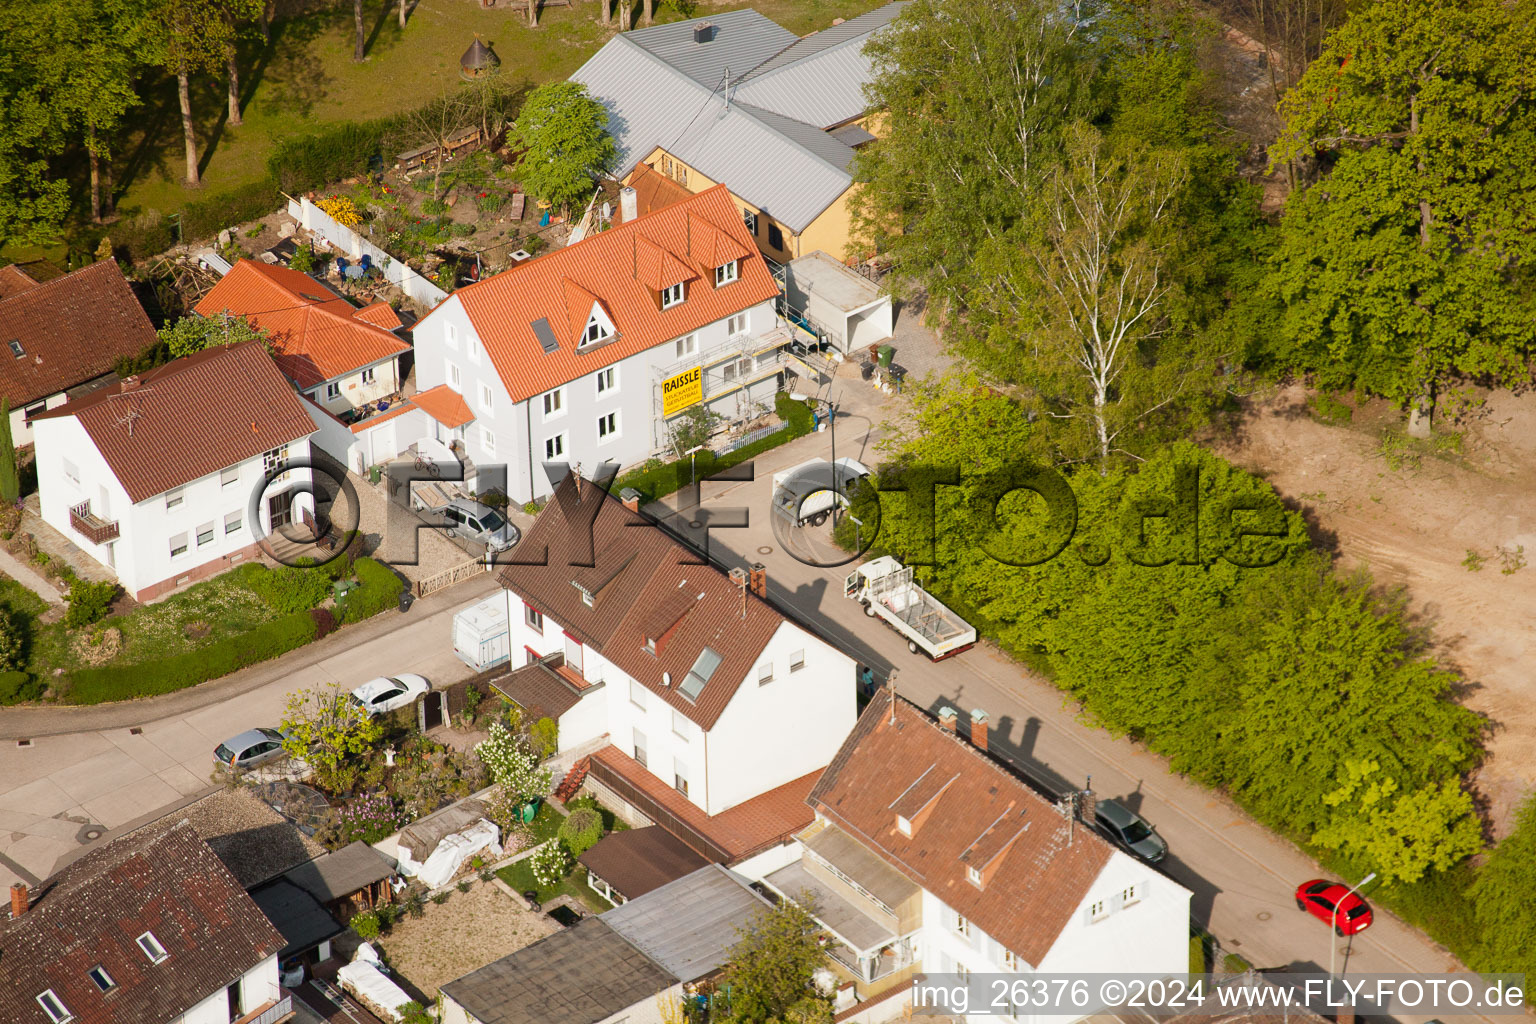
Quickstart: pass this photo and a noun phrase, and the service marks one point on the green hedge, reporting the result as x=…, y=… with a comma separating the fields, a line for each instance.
x=378, y=589
x=320, y=158
x=163, y=675
x=16, y=687
x=657, y=480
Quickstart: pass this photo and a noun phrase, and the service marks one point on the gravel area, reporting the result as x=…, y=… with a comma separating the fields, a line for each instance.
x=469, y=931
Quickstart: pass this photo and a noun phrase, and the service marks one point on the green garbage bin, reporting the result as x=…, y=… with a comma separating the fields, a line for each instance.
x=530, y=811
x=887, y=353
x=341, y=588
x=374, y=474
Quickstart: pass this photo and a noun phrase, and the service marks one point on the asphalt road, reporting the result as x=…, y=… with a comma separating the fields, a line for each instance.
x=1242, y=876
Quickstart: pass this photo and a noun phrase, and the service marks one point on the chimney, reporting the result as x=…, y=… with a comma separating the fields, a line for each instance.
x=758, y=580
x=950, y=720
x=129, y=383
x=19, y=896
x=703, y=32
x=979, y=729
x=1088, y=803
x=629, y=204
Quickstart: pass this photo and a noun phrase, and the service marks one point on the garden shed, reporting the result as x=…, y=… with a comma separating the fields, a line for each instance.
x=831, y=300
x=352, y=879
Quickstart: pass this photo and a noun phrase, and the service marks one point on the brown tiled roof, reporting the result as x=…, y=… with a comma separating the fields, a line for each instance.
x=658, y=573
x=191, y=417
x=539, y=689
x=71, y=329
x=168, y=883
x=636, y=860
x=14, y=281
x=1031, y=890
x=316, y=335
x=732, y=835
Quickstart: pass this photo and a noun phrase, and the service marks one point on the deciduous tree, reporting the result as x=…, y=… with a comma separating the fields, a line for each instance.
x=1502, y=902
x=1412, y=262
x=563, y=132
x=327, y=730
x=1402, y=835
x=192, y=37
x=772, y=968
x=194, y=333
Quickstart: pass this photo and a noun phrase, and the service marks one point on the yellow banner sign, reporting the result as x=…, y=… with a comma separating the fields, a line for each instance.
x=678, y=393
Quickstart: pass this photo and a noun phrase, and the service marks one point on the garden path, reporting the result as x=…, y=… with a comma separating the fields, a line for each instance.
x=23, y=574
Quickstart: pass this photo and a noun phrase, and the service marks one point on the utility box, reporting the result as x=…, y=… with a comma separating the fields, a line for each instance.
x=481, y=639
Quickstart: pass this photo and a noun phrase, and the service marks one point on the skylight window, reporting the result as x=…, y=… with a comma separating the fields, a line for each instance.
x=699, y=675
x=16, y=349
x=102, y=979
x=152, y=948
x=54, y=1008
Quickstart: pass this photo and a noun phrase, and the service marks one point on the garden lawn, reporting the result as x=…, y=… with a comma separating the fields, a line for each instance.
x=520, y=877
x=306, y=77
x=199, y=616
x=17, y=600
x=546, y=824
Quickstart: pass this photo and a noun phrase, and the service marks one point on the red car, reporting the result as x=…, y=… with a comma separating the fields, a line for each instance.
x=1321, y=898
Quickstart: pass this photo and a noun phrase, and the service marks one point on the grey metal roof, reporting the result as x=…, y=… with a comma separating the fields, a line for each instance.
x=742, y=40
x=689, y=926
x=861, y=930
x=342, y=873
x=579, y=975
x=852, y=135
x=820, y=79
x=856, y=861
x=791, y=171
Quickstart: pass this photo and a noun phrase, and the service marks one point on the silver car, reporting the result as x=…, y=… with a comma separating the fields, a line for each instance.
x=1126, y=828
x=250, y=748
x=480, y=523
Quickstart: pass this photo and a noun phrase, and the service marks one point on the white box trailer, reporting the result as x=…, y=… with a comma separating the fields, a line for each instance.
x=480, y=636
x=808, y=492
x=886, y=590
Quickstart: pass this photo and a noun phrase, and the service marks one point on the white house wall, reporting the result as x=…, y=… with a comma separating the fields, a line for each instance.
x=353, y=391
x=514, y=434
x=141, y=555
x=21, y=430
x=257, y=986
x=746, y=752
x=777, y=732
x=1149, y=934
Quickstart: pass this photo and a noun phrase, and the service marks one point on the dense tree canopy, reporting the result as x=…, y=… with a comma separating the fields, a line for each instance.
x=564, y=134
x=1413, y=260
x=194, y=333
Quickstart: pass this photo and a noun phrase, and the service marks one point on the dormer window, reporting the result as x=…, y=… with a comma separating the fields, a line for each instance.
x=650, y=644
x=54, y=1007
x=151, y=947
x=673, y=295
x=904, y=826
x=727, y=273
x=599, y=328
x=973, y=875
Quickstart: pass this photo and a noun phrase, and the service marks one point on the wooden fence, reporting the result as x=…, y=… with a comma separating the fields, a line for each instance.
x=448, y=577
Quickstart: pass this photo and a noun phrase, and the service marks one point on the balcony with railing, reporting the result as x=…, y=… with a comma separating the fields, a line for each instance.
x=92, y=527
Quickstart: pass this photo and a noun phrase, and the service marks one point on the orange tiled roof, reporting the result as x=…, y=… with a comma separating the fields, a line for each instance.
x=1045, y=867
x=696, y=232
x=316, y=335
x=380, y=314
x=738, y=832
x=654, y=190
x=445, y=405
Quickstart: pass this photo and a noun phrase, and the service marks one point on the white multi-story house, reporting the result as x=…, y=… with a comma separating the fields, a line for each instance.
x=340, y=356
x=149, y=929
x=177, y=474
x=927, y=854
x=702, y=708
x=590, y=353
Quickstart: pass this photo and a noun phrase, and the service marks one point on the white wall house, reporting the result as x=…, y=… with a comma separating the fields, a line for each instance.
x=87, y=947
x=176, y=475
x=592, y=352
x=928, y=855
x=690, y=673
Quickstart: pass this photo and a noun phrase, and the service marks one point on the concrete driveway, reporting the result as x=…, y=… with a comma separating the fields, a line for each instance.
x=1242, y=876
x=88, y=774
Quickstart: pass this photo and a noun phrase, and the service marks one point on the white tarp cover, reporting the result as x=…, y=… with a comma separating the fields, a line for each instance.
x=372, y=989
x=454, y=850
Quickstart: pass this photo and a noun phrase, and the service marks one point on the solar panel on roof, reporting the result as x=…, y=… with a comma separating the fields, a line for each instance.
x=545, y=334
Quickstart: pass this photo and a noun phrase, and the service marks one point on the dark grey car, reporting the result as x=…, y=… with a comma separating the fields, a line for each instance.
x=1126, y=828
x=480, y=523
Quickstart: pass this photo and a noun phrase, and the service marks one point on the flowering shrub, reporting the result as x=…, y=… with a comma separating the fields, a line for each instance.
x=550, y=863
x=512, y=765
x=370, y=818
x=341, y=210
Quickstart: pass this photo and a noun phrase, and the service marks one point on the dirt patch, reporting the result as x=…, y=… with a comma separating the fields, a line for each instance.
x=464, y=934
x=97, y=647
x=1414, y=525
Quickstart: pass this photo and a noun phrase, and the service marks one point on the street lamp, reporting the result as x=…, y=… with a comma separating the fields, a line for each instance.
x=832, y=427
x=1333, y=944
